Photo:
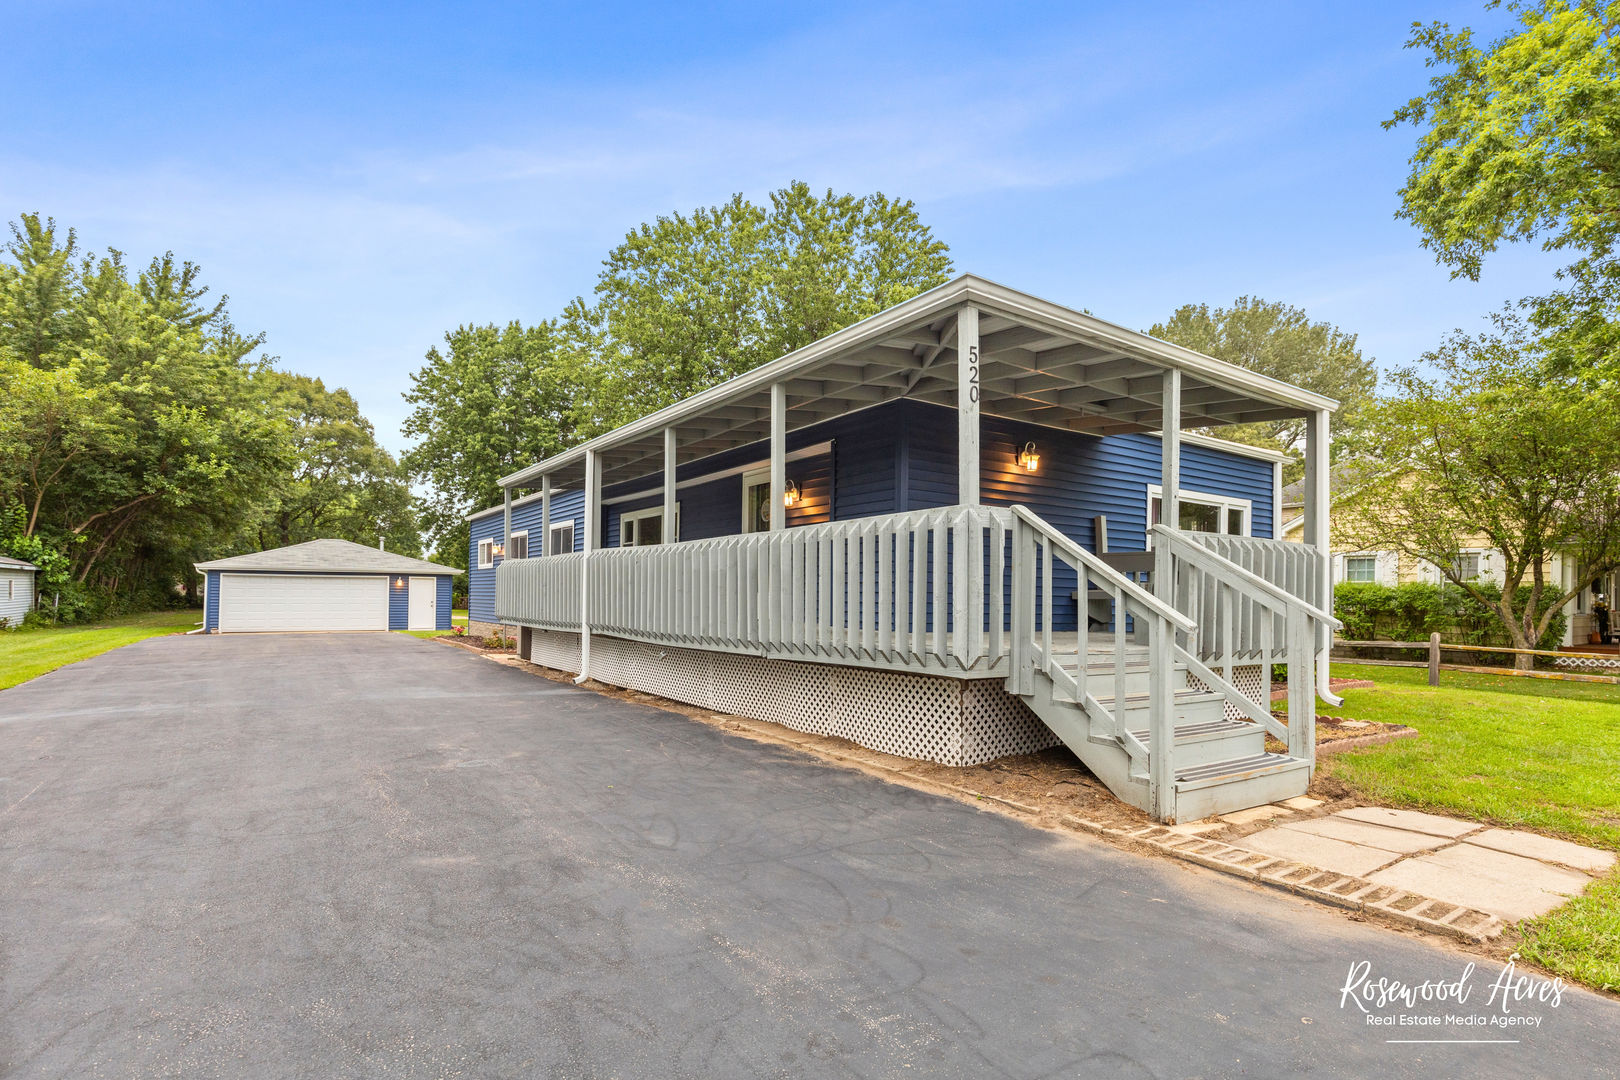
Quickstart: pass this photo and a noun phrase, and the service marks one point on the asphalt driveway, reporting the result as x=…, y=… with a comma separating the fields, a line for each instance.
x=372, y=855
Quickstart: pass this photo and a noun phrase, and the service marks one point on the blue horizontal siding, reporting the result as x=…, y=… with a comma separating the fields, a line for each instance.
x=211, y=603
x=399, y=602
x=398, y=596
x=902, y=456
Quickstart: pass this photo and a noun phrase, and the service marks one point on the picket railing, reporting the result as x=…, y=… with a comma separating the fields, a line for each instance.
x=1242, y=617
x=1141, y=621
x=917, y=591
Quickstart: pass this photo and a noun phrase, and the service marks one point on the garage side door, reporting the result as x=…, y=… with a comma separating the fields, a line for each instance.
x=269, y=602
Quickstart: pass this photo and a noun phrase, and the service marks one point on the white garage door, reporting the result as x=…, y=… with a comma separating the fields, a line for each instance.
x=266, y=602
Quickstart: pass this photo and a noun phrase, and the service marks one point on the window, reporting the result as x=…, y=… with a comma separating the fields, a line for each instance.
x=1468, y=565
x=1361, y=568
x=519, y=548
x=1200, y=512
x=486, y=554
x=561, y=541
x=756, y=503
x=644, y=528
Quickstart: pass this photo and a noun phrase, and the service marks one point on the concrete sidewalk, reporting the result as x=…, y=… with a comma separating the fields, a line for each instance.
x=1506, y=872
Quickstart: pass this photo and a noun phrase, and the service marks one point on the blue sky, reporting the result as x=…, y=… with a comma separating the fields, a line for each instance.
x=361, y=178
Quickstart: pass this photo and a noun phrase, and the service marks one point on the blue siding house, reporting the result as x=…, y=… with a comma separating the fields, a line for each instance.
x=324, y=585
x=975, y=524
x=901, y=456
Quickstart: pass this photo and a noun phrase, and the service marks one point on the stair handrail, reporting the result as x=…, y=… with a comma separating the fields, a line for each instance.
x=1096, y=566
x=1214, y=560
x=1153, y=618
x=1301, y=617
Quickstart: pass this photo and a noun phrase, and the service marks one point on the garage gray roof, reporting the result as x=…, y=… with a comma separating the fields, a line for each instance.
x=8, y=563
x=329, y=556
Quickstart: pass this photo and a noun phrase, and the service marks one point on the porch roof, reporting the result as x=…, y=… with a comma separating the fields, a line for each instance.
x=1040, y=362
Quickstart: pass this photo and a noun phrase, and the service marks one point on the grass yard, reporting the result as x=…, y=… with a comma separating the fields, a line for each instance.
x=1523, y=753
x=27, y=654
x=458, y=617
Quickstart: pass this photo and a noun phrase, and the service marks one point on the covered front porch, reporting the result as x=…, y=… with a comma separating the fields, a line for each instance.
x=1085, y=643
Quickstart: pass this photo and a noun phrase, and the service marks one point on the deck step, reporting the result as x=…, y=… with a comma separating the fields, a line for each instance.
x=1221, y=787
x=1214, y=727
x=1209, y=740
x=1243, y=768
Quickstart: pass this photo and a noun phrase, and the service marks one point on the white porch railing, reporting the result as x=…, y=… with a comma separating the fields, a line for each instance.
x=1138, y=616
x=919, y=591
x=1233, y=635
x=1243, y=617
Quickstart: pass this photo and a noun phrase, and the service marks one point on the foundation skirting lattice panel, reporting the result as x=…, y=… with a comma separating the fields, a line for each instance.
x=1248, y=680
x=927, y=717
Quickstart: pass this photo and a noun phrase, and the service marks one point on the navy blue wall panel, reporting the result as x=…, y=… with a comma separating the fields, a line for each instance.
x=399, y=602
x=441, y=613
x=902, y=456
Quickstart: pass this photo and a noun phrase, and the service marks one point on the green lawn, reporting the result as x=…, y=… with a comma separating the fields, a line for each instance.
x=458, y=617
x=1523, y=753
x=26, y=654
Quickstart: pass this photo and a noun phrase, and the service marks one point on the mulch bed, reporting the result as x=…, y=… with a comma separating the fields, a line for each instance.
x=1046, y=786
x=478, y=642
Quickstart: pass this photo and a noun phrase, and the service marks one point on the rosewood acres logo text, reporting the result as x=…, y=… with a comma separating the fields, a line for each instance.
x=1465, y=1009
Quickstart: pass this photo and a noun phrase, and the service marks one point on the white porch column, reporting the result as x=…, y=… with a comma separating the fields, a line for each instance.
x=506, y=529
x=669, y=486
x=967, y=407
x=593, y=526
x=1170, y=451
x=1276, y=502
x=778, y=456
x=545, y=516
x=1319, y=534
x=1316, y=498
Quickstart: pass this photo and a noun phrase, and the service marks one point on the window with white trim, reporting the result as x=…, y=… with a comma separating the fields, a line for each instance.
x=1202, y=512
x=645, y=528
x=756, y=501
x=561, y=540
x=486, y=554
x=1361, y=568
x=519, y=548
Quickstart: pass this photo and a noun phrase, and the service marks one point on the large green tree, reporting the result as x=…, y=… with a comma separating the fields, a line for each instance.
x=682, y=304
x=691, y=300
x=1281, y=341
x=1519, y=140
x=1482, y=443
x=342, y=483
x=492, y=400
x=141, y=431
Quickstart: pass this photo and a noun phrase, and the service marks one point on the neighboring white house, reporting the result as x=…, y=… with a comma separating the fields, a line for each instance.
x=16, y=590
x=1479, y=560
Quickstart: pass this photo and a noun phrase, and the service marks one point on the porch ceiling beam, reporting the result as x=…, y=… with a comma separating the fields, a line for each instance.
x=1012, y=338
x=947, y=338
x=1062, y=356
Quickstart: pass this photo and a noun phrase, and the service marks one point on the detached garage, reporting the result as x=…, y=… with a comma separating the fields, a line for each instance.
x=324, y=585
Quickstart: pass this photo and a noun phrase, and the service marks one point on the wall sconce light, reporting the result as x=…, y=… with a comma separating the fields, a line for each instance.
x=500, y=551
x=1029, y=457
x=399, y=583
x=790, y=494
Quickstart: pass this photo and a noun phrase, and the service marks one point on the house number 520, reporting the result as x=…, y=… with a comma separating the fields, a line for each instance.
x=973, y=373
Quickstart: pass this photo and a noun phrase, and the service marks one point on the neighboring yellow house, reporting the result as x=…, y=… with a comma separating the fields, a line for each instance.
x=1352, y=563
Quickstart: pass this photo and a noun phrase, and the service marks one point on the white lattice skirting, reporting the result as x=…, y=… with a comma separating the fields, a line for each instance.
x=949, y=721
x=1246, y=679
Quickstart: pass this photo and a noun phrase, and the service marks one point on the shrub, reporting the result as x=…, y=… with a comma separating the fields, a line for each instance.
x=1413, y=611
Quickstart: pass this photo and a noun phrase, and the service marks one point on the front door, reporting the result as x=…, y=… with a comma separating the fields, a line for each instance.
x=423, y=612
